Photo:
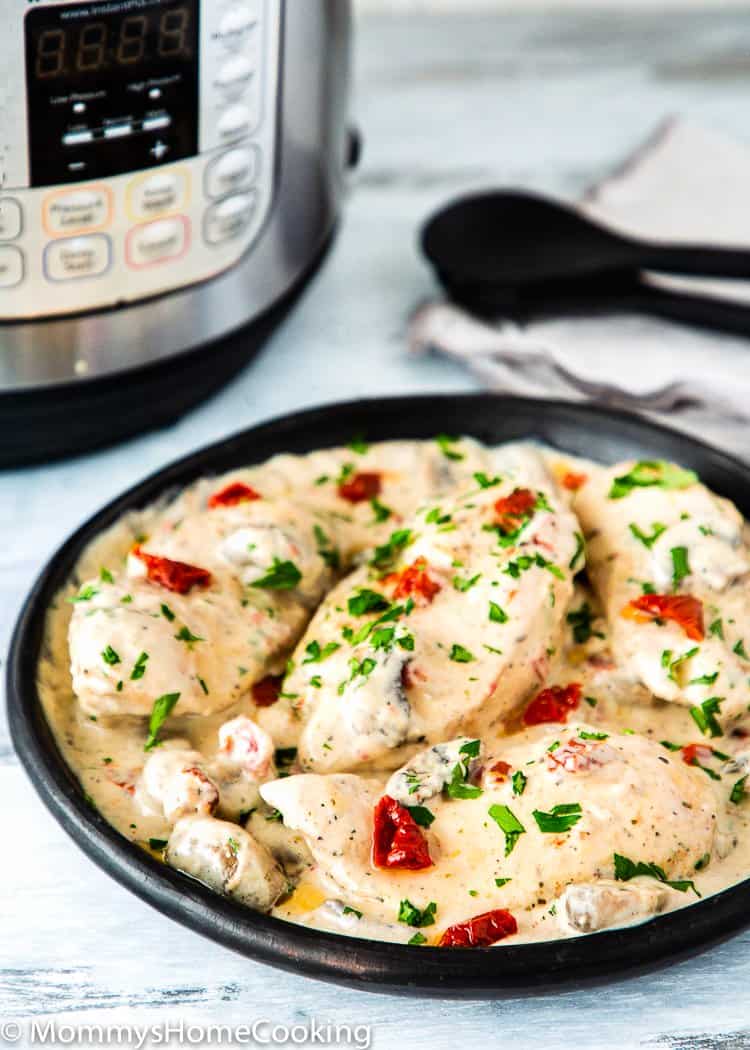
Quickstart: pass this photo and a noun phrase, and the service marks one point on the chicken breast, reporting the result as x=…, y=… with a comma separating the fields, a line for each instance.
x=446, y=630
x=669, y=564
x=552, y=808
x=205, y=608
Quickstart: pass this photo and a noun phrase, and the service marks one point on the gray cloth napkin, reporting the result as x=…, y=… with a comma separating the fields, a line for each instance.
x=685, y=184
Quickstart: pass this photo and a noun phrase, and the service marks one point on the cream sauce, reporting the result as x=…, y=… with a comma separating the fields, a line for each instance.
x=445, y=668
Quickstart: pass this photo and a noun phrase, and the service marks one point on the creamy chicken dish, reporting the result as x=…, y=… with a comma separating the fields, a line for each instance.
x=426, y=692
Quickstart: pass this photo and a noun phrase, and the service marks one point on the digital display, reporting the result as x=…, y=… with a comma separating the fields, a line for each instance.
x=112, y=87
x=97, y=44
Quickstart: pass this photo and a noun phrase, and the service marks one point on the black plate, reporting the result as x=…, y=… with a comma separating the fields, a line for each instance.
x=473, y=973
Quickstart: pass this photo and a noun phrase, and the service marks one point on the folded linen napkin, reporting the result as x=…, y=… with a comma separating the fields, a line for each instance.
x=685, y=184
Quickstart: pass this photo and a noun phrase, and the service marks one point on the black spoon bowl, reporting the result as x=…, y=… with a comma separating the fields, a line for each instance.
x=512, y=239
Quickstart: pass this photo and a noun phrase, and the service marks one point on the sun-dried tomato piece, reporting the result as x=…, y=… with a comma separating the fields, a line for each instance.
x=696, y=754
x=553, y=704
x=573, y=482
x=512, y=511
x=360, y=487
x=414, y=581
x=682, y=609
x=397, y=841
x=177, y=576
x=481, y=931
x=266, y=692
x=232, y=494
x=500, y=770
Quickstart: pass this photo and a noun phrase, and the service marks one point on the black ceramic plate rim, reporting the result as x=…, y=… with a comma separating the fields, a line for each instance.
x=373, y=965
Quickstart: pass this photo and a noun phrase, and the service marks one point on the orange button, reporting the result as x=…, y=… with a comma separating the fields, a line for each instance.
x=82, y=210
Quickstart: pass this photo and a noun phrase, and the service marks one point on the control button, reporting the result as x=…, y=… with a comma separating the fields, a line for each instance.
x=155, y=92
x=236, y=25
x=11, y=266
x=159, y=149
x=77, y=138
x=157, y=242
x=229, y=218
x=79, y=107
x=10, y=219
x=74, y=211
x=152, y=195
x=76, y=257
x=162, y=120
x=232, y=172
x=235, y=74
x=118, y=131
x=235, y=123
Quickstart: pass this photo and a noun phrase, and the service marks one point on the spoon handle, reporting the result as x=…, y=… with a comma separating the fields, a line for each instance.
x=623, y=293
x=694, y=260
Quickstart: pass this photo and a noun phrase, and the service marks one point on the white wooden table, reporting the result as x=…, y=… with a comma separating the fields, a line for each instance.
x=546, y=101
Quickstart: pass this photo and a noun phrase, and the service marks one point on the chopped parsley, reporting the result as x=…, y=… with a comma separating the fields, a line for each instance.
x=584, y=734
x=738, y=792
x=484, y=482
x=365, y=601
x=458, y=786
x=509, y=824
x=672, y=663
x=459, y=655
x=560, y=818
x=186, y=635
x=106, y=576
x=161, y=710
x=85, y=594
x=648, y=541
x=526, y=561
x=158, y=844
x=385, y=555
x=502, y=882
x=581, y=620
x=167, y=612
x=497, y=615
x=739, y=649
x=358, y=445
x=139, y=667
x=518, y=781
x=717, y=629
x=421, y=815
x=110, y=657
x=444, y=442
x=652, y=473
x=202, y=684
x=705, y=679
x=381, y=512
x=348, y=910
x=702, y=862
x=463, y=585
x=316, y=655
x=282, y=576
x=705, y=716
x=418, y=938
x=680, y=565
x=418, y=917
x=626, y=869
x=326, y=549
x=579, y=551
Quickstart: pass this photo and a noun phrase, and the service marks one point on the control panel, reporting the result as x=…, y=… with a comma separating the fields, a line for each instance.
x=137, y=147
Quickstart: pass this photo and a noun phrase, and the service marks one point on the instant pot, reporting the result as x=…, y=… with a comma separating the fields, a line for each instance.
x=170, y=175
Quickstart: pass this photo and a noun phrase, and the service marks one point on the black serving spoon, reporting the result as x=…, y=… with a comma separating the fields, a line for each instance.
x=513, y=239
x=524, y=256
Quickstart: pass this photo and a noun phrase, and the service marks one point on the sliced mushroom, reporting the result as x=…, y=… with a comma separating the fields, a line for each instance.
x=589, y=906
x=227, y=859
x=429, y=771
